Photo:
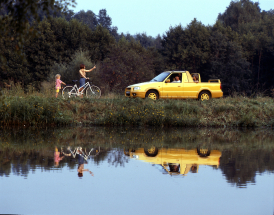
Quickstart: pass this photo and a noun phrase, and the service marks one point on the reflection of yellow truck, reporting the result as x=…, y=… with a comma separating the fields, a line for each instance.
x=177, y=161
x=167, y=85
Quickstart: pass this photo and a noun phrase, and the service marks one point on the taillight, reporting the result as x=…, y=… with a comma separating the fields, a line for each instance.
x=220, y=85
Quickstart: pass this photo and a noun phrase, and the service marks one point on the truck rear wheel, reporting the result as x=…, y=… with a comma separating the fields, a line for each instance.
x=204, y=95
x=204, y=150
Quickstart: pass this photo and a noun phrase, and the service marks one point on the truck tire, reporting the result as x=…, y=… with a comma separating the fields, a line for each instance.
x=152, y=94
x=204, y=95
x=151, y=152
x=204, y=150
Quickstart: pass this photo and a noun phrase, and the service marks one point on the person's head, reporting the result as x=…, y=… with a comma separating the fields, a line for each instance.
x=174, y=167
x=195, y=78
x=82, y=66
x=177, y=78
x=58, y=76
x=194, y=168
x=80, y=170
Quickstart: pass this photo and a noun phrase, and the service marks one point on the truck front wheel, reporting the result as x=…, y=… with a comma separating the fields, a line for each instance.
x=204, y=95
x=151, y=152
x=152, y=94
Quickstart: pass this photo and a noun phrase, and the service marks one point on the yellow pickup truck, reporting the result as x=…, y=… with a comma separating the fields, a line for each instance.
x=176, y=85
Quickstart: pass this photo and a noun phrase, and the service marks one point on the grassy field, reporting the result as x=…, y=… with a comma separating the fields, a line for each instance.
x=43, y=109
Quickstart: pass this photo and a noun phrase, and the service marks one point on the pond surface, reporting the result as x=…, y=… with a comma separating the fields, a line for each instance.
x=136, y=171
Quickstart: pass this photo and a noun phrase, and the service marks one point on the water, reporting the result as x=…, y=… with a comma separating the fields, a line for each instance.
x=136, y=171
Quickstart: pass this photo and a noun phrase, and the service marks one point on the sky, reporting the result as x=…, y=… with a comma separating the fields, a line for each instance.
x=155, y=17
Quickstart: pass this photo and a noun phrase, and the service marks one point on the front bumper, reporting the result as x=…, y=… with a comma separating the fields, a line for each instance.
x=133, y=94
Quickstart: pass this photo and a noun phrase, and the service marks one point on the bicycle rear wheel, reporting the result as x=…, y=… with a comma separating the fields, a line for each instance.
x=93, y=92
x=69, y=92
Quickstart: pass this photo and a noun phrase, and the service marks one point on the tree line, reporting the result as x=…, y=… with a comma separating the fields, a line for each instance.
x=238, y=49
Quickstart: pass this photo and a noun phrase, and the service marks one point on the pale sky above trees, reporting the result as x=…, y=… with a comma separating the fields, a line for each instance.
x=155, y=17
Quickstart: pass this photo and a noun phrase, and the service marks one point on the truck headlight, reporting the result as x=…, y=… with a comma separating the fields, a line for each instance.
x=137, y=88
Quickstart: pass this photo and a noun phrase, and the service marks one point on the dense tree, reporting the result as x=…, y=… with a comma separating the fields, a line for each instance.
x=89, y=18
x=102, y=42
x=255, y=29
x=239, y=13
x=227, y=61
x=18, y=14
x=127, y=63
x=186, y=48
x=15, y=68
x=146, y=41
x=104, y=19
x=92, y=20
x=58, y=41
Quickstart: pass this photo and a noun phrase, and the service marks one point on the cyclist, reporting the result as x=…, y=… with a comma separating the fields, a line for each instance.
x=83, y=76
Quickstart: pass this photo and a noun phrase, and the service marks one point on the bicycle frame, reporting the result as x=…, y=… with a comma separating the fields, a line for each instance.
x=88, y=88
x=85, y=86
x=82, y=153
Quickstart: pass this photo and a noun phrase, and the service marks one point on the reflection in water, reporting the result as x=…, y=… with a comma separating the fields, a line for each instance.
x=82, y=156
x=57, y=157
x=177, y=161
x=243, y=153
x=50, y=158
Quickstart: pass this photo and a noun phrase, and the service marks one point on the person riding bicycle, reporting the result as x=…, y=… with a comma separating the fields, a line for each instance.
x=83, y=76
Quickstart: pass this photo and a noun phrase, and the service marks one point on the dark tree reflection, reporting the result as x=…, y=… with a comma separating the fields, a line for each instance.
x=240, y=167
x=116, y=157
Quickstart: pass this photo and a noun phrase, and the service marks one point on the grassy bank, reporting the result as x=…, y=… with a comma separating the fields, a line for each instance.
x=42, y=109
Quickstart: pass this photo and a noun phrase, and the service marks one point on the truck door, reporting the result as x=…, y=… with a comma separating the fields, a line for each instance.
x=172, y=89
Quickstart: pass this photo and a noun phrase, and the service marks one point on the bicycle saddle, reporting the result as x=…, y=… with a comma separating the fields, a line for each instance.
x=74, y=81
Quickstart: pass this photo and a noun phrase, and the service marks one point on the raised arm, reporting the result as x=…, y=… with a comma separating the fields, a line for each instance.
x=91, y=69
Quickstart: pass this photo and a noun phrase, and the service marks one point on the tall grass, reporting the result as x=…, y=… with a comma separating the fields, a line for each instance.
x=29, y=107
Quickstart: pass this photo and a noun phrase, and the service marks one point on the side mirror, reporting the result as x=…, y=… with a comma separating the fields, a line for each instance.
x=168, y=81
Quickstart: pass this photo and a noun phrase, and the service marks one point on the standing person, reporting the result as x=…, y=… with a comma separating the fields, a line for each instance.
x=83, y=76
x=58, y=84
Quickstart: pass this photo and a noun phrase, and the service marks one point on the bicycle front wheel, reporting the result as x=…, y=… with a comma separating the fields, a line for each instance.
x=69, y=92
x=93, y=92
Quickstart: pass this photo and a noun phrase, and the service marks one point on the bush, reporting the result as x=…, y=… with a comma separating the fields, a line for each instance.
x=70, y=71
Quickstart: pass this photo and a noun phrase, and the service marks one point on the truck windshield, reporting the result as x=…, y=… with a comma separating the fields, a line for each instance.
x=160, y=77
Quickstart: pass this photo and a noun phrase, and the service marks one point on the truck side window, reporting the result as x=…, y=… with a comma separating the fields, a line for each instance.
x=190, y=80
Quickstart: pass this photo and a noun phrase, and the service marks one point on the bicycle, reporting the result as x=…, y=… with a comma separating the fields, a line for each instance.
x=92, y=91
x=83, y=153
